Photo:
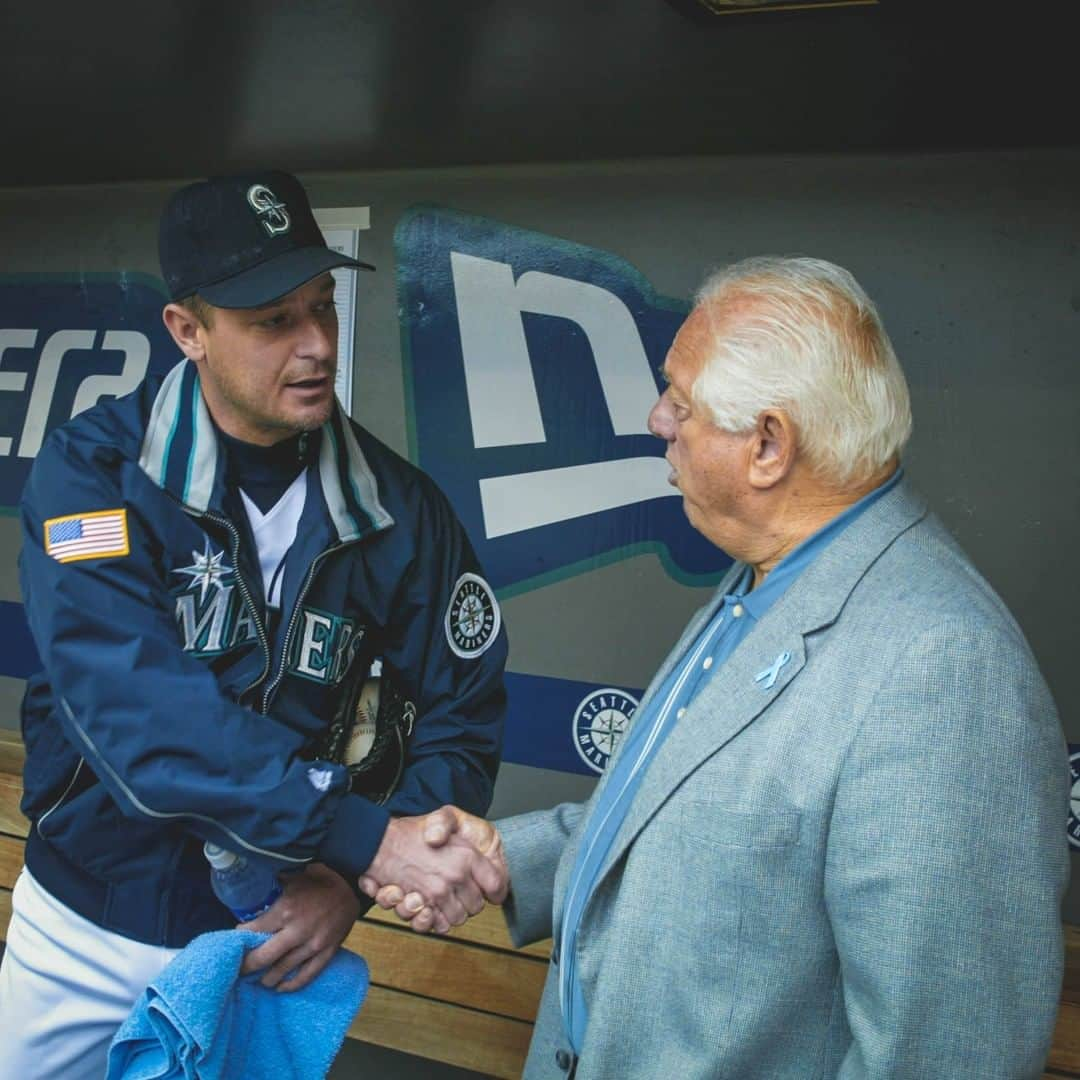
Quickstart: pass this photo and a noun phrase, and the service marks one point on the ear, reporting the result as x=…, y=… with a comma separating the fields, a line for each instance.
x=186, y=331
x=774, y=447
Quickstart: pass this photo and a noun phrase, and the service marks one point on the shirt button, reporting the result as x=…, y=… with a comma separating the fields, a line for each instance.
x=680, y=714
x=562, y=1059
x=737, y=610
x=707, y=663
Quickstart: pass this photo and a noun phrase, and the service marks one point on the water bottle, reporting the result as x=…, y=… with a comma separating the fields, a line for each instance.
x=246, y=888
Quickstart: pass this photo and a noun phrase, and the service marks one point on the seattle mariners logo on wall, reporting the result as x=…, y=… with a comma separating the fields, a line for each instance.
x=531, y=365
x=600, y=721
x=270, y=208
x=473, y=618
x=1074, y=796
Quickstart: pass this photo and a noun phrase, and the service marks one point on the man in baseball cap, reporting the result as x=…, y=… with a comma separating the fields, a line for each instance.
x=243, y=241
x=246, y=266
x=210, y=567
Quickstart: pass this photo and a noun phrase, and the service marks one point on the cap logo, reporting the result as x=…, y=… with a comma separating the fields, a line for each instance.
x=272, y=213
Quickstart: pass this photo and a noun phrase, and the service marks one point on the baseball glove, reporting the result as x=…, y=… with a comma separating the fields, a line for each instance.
x=370, y=736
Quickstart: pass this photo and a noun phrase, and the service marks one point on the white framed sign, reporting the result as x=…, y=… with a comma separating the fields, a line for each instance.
x=341, y=227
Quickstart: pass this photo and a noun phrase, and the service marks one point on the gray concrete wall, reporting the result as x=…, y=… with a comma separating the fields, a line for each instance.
x=972, y=259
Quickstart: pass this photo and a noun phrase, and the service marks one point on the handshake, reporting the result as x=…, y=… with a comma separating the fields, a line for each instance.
x=438, y=869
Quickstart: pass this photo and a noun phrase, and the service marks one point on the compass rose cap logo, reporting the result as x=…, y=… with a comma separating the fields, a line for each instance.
x=600, y=722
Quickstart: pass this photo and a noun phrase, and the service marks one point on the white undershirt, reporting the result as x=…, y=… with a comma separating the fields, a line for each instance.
x=274, y=533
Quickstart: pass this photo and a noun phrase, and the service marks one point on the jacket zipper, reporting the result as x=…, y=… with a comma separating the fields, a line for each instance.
x=268, y=693
x=259, y=628
x=245, y=594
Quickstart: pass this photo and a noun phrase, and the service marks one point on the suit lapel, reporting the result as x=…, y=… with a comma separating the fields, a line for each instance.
x=732, y=700
x=735, y=696
x=694, y=627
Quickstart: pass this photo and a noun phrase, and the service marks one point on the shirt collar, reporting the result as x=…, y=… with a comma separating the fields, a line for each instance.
x=181, y=453
x=777, y=581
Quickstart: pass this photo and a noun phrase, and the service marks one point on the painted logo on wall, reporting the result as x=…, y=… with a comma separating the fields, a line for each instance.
x=565, y=724
x=600, y=722
x=1073, y=827
x=65, y=343
x=531, y=367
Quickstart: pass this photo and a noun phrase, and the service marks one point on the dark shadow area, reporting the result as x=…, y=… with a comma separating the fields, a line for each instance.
x=169, y=90
x=359, y=1059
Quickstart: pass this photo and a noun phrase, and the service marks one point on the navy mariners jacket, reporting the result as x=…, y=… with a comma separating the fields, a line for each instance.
x=168, y=714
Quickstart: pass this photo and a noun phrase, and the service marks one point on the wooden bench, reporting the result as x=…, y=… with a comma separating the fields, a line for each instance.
x=467, y=999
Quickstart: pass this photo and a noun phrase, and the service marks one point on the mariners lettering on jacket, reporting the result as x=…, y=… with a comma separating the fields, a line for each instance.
x=323, y=646
x=600, y=721
x=212, y=618
x=473, y=617
x=271, y=210
x=210, y=613
x=1074, y=798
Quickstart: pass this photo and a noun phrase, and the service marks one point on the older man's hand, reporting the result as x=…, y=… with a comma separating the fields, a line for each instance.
x=453, y=839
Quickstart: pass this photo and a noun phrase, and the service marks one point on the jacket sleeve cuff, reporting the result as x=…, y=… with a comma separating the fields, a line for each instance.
x=354, y=836
x=533, y=849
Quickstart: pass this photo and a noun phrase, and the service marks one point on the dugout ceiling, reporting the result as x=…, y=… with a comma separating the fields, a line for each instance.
x=140, y=91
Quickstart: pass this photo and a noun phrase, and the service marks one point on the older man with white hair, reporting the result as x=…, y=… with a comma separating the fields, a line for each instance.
x=831, y=844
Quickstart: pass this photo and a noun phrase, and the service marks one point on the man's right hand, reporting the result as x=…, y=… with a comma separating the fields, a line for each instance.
x=437, y=870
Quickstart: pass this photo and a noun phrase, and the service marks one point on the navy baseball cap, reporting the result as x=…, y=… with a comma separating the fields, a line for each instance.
x=243, y=241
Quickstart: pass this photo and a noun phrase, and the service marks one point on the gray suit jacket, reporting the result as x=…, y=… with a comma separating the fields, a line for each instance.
x=855, y=873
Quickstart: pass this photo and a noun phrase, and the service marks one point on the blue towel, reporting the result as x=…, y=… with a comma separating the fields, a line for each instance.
x=199, y=1021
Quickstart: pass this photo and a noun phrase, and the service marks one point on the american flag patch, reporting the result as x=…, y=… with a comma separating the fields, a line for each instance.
x=97, y=535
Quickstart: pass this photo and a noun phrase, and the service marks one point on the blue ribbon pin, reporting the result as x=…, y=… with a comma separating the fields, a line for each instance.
x=768, y=677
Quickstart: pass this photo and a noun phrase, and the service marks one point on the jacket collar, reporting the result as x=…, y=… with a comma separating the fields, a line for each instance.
x=735, y=697
x=180, y=453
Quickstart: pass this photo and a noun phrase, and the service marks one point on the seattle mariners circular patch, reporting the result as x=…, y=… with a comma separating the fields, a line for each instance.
x=473, y=618
x=1074, y=800
x=600, y=721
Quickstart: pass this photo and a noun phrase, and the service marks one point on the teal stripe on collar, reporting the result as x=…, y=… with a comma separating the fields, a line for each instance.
x=365, y=489
x=345, y=524
x=161, y=426
x=179, y=451
x=202, y=464
x=349, y=486
x=195, y=395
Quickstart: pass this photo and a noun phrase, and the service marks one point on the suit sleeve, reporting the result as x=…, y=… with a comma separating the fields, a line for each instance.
x=151, y=720
x=946, y=864
x=534, y=844
x=454, y=752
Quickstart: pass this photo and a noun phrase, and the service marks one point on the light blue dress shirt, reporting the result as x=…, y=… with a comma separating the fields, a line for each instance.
x=733, y=620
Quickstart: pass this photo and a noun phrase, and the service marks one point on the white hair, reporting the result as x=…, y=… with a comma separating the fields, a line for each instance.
x=800, y=334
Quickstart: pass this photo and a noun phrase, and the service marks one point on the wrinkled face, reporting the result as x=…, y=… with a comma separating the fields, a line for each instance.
x=268, y=373
x=708, y=465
